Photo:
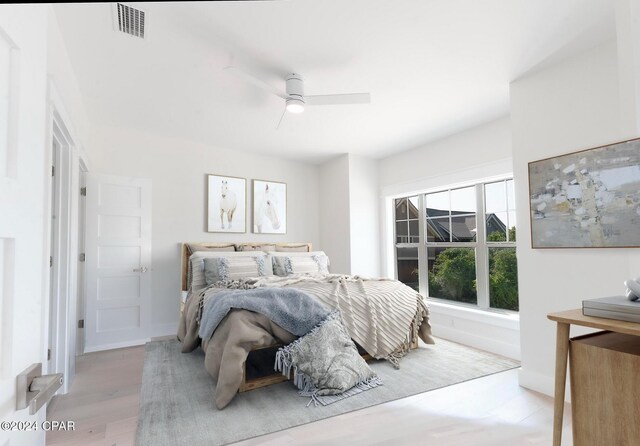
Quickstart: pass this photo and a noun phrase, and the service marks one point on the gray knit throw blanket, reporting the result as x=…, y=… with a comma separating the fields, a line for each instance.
x=291, y=309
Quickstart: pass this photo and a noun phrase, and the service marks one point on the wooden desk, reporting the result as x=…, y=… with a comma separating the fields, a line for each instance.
x=564, y=320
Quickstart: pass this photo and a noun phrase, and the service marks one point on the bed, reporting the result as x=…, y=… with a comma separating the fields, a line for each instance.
x=383, y=317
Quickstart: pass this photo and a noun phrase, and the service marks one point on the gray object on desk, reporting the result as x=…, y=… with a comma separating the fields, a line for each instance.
x=614, y=307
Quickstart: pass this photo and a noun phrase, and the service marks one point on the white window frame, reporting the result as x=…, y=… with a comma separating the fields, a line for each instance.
x=481, y=245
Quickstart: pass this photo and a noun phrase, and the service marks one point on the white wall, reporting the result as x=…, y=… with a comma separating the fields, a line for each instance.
x=61, y=74
x=335, y=232
x=628, y=49
x=364, y=197
x=475, y=147
x=349, y=214
x=568, y=107
x=479, y=153
x=178, y=168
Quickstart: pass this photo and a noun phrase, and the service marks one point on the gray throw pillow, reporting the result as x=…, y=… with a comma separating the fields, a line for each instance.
x=327, y=361
x=217, y=269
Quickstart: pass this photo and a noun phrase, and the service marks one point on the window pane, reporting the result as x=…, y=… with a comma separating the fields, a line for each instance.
x=407, y=266
x=463, y=228
x=401, y=209
x=503, y=279
x=437, y=204
x=495, y=197
x=402, y=235
x=452, y=274
x=497, y=227
x=463, y=200
x=438, y=229
x=512, y=226
x=414, y=211
x=414, y=231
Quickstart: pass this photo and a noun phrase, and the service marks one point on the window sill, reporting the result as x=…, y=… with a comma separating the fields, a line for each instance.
x=498, y=319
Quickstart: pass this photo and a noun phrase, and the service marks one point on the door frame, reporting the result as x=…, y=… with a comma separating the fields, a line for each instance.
x=62, y=302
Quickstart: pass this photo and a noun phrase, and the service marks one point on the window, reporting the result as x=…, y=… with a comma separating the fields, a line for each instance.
x=442, y=249
x=407, y=239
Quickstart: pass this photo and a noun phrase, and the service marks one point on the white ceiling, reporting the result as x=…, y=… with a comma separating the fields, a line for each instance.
x=432, y=67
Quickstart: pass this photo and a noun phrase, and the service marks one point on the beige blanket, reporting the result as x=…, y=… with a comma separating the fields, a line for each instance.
x=384, y=316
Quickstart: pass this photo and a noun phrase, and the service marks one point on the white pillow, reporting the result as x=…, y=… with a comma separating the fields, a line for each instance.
x=195, y=274
x=307, y=264
x=295, y=254
x=218, y=269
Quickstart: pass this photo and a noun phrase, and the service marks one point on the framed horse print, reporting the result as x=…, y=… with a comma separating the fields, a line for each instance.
x=269, y=207
x=226, y=204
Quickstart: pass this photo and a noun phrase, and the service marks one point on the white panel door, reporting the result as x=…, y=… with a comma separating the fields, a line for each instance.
x=117, y=262
x=24, y=177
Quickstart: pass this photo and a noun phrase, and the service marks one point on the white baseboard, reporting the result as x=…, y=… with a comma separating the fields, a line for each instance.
x=160, y=330
x=499, y=347
x=123, y=344
x=541, y=383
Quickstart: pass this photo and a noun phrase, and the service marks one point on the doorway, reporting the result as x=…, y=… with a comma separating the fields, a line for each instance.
x=63, y=250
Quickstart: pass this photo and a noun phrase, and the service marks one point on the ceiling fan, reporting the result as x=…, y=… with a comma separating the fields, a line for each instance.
x=293, y=95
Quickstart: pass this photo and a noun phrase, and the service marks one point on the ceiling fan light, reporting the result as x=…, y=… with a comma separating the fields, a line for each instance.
x=295, y=105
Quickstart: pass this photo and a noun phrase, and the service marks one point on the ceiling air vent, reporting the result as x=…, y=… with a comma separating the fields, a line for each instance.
x=129, y=20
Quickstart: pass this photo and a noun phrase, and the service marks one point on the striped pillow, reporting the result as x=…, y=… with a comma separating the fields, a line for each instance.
x=229, y=268
x=312, y=264
x=195, y=273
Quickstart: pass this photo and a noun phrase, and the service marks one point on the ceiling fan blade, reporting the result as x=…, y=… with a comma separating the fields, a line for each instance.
x=338, y=99
x=284, y=112
x=256, y=81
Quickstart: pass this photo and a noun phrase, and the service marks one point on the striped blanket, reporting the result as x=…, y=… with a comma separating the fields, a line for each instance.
x=384, y=316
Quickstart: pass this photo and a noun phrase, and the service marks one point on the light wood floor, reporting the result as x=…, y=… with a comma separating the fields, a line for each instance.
x=491, y=411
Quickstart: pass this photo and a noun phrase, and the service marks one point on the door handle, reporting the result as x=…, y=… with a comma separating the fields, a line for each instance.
x=142, y=269
x=34, y=390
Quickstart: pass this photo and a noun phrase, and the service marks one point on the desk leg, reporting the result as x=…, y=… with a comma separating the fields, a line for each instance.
x=562, y=352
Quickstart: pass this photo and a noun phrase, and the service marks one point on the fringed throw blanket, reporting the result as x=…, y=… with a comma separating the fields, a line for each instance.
x=383, y=316
x=326, y=364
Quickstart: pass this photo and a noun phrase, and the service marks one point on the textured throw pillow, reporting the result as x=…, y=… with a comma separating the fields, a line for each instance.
x=218, y=269
x=326, y=363
x=311, y=264
x=195, y=273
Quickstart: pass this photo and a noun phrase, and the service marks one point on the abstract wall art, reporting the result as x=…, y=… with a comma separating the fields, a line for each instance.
x=587, y=199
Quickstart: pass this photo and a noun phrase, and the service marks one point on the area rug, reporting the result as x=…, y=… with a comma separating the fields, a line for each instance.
x=177, y=408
